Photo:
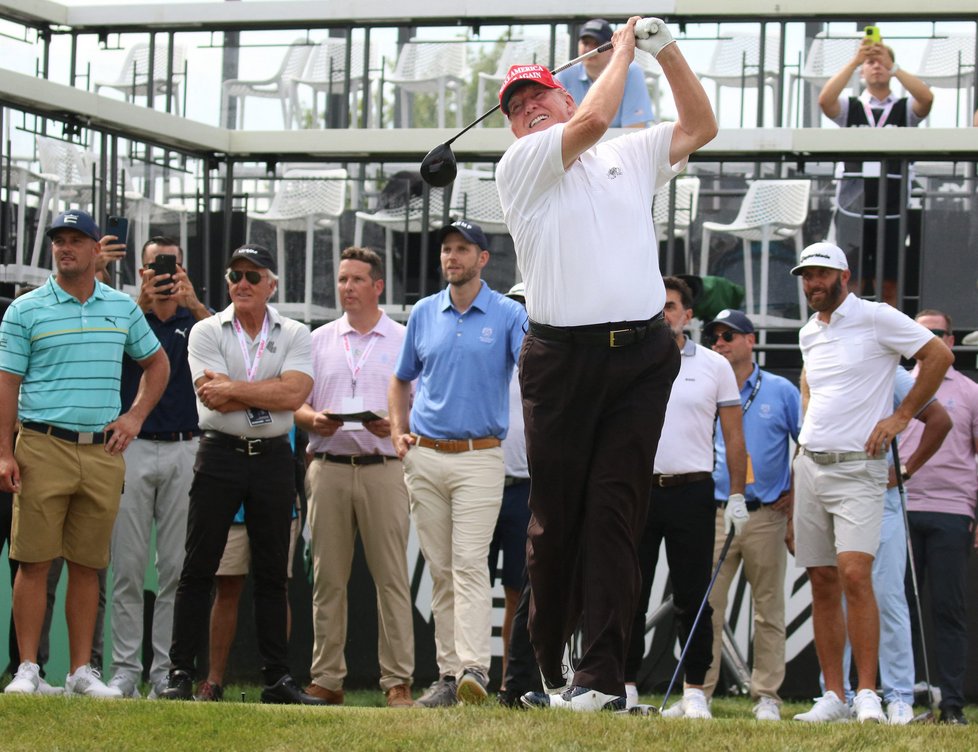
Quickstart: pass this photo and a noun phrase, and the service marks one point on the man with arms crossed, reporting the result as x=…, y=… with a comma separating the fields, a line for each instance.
x=594, y=392
x=61, y=348
x=356, y=484
x=850, y=348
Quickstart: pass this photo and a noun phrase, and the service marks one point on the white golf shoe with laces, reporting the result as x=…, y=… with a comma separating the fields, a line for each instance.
x=693, y=705
x=867, y=708
x=827, y=709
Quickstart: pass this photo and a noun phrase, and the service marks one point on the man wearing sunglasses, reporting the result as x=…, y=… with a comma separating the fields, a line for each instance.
x=252, y=369
x=772, y=416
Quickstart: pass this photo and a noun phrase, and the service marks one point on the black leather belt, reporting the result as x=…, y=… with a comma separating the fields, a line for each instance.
x=621, y=334
x=752, y=504
x=512, y=480
x=250, y=447
x=75, y=437
x=167, y=435
x=353, y=459
x=668, y=481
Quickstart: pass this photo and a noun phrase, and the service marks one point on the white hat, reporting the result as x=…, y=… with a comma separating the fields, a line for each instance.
x=517, y=291
x=821, y=254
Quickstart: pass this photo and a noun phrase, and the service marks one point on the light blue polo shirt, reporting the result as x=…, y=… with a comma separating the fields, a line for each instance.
x=463, y=363
x=635, y=104
x=774, y=416
x=69, y=354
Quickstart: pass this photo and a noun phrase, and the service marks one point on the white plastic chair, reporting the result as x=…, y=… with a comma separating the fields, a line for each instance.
x=475, y=198
x=21, y=179
x=409, y=218
x=278, y=86
x=305, y=200
x=771, y=210
x=430, y=68
x=948, y=62
x=133, y=78
x=826, y=57
x=518, y=52
x=683, y=211
x=735, y=61
x=325, y=71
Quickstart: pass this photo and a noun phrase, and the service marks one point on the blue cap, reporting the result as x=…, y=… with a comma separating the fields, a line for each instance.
x=468, y=230
x=736, y=320
x=75, y=219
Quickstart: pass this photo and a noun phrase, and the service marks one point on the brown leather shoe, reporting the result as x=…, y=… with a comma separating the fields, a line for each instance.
x=399, y=697
x=330, y=696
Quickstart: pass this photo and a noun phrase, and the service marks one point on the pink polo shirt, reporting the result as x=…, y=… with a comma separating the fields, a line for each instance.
x=948, y=482
x=333, y=379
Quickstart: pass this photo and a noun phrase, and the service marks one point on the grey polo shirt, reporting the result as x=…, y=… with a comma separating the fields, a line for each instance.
x=214, y=345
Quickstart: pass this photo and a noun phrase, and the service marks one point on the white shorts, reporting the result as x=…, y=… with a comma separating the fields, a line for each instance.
x=838, y=508
x=236, y=559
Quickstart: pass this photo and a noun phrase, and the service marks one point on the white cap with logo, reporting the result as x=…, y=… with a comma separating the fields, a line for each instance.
x=821, y=254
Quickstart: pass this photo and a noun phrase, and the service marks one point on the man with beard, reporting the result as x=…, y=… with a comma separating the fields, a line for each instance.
x=461, y=344
x=851, y=348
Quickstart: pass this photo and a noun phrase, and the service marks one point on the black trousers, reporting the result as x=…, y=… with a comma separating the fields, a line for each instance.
x=685, y=517
x=593, y=416
x=522, y=673
x=941, y=544
x=223, y=480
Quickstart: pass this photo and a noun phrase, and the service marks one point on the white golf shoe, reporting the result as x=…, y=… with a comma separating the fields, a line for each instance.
x=867, y=708
x=899, y=713
x=767, y=709
x=87, y=681
x=693, y=705
x=25, y=681
x=827, y=709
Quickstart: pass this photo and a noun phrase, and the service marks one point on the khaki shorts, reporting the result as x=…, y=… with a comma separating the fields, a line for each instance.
x=236, y=559
x=69, y=500
x=838, y=508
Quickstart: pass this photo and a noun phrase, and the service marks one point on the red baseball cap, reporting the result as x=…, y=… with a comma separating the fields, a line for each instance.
x=519, y=75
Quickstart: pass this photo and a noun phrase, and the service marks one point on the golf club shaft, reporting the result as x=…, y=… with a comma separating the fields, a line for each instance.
x=696, y=621
x=558, y=69
x=913, y=572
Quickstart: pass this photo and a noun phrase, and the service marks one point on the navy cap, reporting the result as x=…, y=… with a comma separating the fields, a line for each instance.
x=468, y=230
x=597, y=28
x=736, y=320
x=258, y=255
x=75, y=219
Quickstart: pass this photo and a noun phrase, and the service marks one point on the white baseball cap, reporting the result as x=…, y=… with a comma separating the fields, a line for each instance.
x=821, y=254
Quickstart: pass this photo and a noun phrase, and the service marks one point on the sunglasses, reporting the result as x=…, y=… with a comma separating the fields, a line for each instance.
x=234, y=276
x=939, y=332
x=727, y=336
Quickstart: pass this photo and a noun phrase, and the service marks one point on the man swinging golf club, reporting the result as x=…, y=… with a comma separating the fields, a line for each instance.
x=598, y=360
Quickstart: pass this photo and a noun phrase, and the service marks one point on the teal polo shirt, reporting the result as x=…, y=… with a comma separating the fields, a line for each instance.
x=69, y=354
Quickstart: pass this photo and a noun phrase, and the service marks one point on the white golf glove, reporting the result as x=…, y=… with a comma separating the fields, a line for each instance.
x=652, y=35
x=735, y=514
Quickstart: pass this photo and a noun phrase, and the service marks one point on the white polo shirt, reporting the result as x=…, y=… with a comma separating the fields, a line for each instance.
x=584, y=237
x=849, y=365
x=705, y=383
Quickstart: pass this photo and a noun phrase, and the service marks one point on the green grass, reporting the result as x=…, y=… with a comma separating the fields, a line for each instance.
x=33, y=723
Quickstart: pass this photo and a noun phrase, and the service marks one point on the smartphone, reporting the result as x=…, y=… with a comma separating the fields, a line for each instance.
x=165, y=263
x=118, y=226
x=873, y=35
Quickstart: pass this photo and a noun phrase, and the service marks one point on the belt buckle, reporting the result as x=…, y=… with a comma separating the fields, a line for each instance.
x=663, y=477
x=353, y=460
x=253, y=447
x=611, y=337
x=436, y=445
x=86, y=437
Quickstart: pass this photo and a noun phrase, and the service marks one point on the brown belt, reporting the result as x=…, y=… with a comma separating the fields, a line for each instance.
x=668, y=481
x=454, y=446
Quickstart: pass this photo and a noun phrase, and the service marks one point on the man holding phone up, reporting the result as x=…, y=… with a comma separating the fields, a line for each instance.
x=159, y=469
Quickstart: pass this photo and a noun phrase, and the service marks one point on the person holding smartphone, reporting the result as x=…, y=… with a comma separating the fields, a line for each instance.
x=159, y=470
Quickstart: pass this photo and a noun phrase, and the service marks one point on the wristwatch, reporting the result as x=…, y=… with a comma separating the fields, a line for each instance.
x=904, y=473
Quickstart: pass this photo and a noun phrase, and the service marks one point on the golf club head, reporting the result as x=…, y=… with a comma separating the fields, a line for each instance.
x=640, y=709
x=925, y=717
x=439, y=167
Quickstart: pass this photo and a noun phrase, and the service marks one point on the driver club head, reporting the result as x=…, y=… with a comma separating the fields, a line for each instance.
x=923, y=718
x=439, y=167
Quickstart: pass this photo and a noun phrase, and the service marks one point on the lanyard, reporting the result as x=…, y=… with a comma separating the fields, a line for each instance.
x=871, y=119
x=251, y=367
x=754, y=391
x=355, y=369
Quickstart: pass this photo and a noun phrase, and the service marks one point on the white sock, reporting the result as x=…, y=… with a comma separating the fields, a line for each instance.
x=631, y=695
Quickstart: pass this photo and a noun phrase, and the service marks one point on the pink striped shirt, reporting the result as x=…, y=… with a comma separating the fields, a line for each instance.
x=333, y=380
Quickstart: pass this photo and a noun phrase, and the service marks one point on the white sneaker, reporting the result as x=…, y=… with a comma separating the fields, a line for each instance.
x=631, y=696
x=43, y=688
x=899, y=713
x=767, y=709
x=867, y=708
x=25, y=681
x=125, y=685
x=88, y=681
x=827, y=709
x=693, y=705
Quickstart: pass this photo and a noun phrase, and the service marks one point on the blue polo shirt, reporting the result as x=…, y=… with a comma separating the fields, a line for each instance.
x=635, y=104
x=69, y=354
x=463, y=363
x=176, y=412
x=773, y=417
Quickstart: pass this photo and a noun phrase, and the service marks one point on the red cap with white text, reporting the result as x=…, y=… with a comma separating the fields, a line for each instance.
x=519, y=75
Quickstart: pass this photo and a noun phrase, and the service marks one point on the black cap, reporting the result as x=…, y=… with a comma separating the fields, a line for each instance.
x=258, y=255
x=468, y=230
x=597, y=28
